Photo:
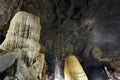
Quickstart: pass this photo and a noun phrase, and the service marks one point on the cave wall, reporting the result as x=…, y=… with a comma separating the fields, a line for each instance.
x=70, y=26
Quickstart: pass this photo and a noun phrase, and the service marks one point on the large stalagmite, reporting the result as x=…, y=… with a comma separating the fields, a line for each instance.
x=73, y=70
x=24, y=35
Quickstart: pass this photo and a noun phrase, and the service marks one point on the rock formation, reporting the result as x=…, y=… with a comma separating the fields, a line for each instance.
x=23, y=37
x=73, y=70
x=87, y=29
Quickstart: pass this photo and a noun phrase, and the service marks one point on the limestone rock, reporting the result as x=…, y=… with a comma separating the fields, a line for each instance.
x=7, y=9
x=41, y=60
x=22, y=71
x=24, y=33
x=6, y=61
x=73, y=70
x=115, y=65
x=23, y=37
x=86, y=52
x=97, y=53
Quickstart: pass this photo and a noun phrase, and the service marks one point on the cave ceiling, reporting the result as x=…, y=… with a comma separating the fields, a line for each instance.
x=74, y=22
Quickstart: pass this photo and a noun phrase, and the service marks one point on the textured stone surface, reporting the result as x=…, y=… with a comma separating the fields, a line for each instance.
x=73, y=69
x=75, y=26
x=23, y=37
x=8, y=9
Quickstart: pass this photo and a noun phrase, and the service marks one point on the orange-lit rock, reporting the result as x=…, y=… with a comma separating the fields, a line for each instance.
x=73, y=70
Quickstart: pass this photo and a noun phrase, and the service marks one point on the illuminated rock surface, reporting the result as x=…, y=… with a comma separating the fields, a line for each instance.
x=73, y=70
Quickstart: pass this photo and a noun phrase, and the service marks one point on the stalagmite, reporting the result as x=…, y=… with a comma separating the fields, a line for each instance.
x=73, y=70
x=24, y=35
x=41, y=58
